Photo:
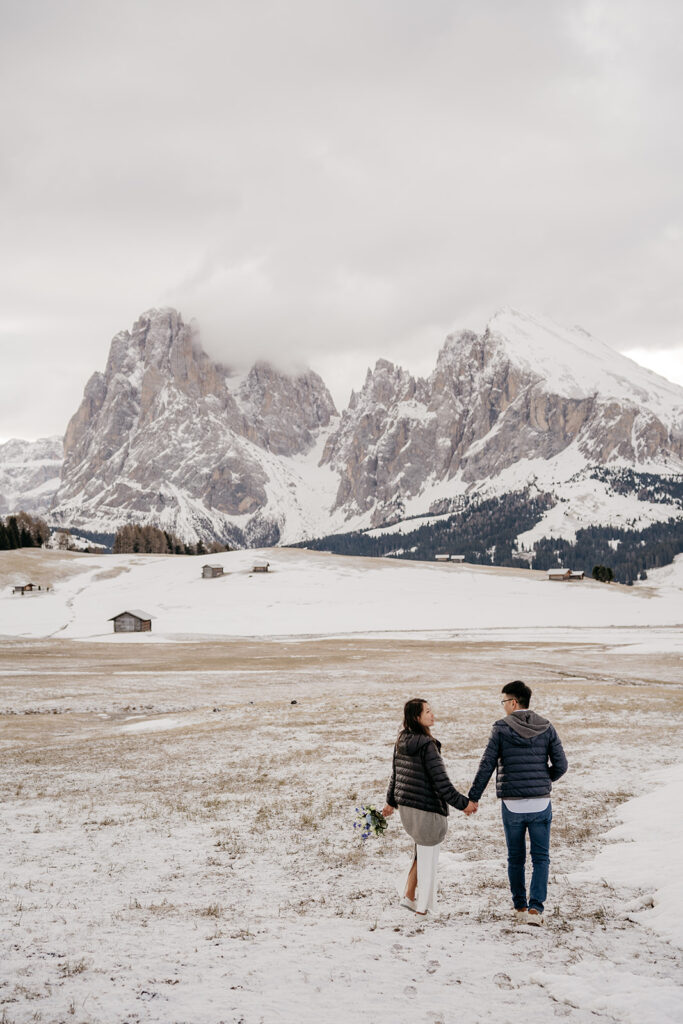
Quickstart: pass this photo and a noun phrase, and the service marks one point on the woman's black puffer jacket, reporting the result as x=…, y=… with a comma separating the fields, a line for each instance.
x=419, y=777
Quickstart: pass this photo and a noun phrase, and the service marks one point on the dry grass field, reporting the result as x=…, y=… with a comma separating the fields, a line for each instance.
x=178, y=845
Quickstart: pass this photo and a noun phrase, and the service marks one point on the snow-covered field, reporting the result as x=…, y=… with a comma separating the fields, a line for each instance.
x=309, y=593
x=176, y=832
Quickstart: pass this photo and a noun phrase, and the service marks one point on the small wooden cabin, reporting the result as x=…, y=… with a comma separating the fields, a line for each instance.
x=565, y=575
x=210, y=572
x=260, y=565
x=446, y=557
x=25, y=588
x=133, y=621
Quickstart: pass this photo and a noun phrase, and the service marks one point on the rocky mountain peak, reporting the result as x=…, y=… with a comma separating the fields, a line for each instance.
x=166, y=434
x=571, y=363
x=524, y=389
x=284, y=412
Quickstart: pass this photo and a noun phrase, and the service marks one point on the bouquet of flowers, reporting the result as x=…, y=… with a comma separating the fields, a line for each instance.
x=369, y=821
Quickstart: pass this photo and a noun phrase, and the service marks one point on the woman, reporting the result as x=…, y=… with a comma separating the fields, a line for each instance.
x=421, y=790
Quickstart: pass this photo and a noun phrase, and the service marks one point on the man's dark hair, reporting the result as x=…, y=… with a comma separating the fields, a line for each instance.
x=520, y=691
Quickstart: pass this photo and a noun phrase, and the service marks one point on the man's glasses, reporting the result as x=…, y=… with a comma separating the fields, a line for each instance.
x=507, y=700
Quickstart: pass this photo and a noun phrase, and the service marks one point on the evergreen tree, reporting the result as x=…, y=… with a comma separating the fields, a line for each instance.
x=13, y=532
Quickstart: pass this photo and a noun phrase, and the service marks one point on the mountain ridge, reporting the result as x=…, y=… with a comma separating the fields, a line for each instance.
x=167, y=435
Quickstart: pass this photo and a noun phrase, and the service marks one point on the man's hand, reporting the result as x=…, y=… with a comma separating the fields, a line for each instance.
x=471, y=808
x=387, y=810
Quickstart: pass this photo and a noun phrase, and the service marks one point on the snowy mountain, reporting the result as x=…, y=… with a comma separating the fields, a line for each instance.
x=526, y=402
x=168, y=436
x=29, y=474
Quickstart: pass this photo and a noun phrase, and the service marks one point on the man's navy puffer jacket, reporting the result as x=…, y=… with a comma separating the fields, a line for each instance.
x=419, y=777
x=527, y=755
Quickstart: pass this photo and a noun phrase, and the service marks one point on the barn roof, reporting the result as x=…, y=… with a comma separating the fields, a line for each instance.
x=132, y=611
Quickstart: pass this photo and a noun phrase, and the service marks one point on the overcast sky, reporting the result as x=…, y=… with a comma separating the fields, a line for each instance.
x=325, y=183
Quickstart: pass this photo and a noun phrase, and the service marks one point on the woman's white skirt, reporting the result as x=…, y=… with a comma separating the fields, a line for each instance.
x=427, y=864
x=428, y=830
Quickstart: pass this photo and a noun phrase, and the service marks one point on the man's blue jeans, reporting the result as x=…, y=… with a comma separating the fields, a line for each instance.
x=537, y=824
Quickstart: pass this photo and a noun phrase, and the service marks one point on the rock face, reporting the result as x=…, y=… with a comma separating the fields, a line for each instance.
x=29, y=474
x=165, y=435
x=168, y=436
x=522, y=396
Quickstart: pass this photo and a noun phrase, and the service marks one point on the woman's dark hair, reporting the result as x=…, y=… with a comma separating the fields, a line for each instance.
x=411, y=712
x=520, y=691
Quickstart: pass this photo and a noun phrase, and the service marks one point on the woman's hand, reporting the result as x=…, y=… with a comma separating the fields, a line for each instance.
x=387, y=810
x=471, y=808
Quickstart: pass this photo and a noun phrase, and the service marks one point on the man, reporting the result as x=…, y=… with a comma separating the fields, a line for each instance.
x=528, y=756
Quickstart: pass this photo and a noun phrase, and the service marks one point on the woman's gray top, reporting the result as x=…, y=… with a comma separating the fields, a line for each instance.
x=425, y=828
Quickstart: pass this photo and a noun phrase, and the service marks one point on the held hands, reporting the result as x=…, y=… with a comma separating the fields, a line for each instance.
x=471, y=808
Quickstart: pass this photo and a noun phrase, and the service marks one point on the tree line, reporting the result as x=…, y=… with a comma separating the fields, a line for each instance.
x=150, y=540
x=23, y=531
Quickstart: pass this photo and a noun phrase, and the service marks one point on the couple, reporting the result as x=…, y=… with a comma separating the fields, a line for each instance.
x=527, y=753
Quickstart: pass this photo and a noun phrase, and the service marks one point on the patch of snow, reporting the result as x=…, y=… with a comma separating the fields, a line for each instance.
x=644, y=851
x=666, y=582
x=408, y=525
x=152, y=725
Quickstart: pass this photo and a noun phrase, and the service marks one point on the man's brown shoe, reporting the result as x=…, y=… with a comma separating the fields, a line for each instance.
x=534, y=917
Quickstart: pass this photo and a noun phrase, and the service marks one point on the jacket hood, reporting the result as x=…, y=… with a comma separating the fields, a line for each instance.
x=410, y=742
x=526, y=724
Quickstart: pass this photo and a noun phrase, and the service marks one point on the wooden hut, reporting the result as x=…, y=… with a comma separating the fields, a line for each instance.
x=25, y=588
x=260, y=565
x=565, y=575
x=132, y=621
x=210, y=572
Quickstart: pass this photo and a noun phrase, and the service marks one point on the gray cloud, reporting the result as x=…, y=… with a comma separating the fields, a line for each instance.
x=330, y=183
